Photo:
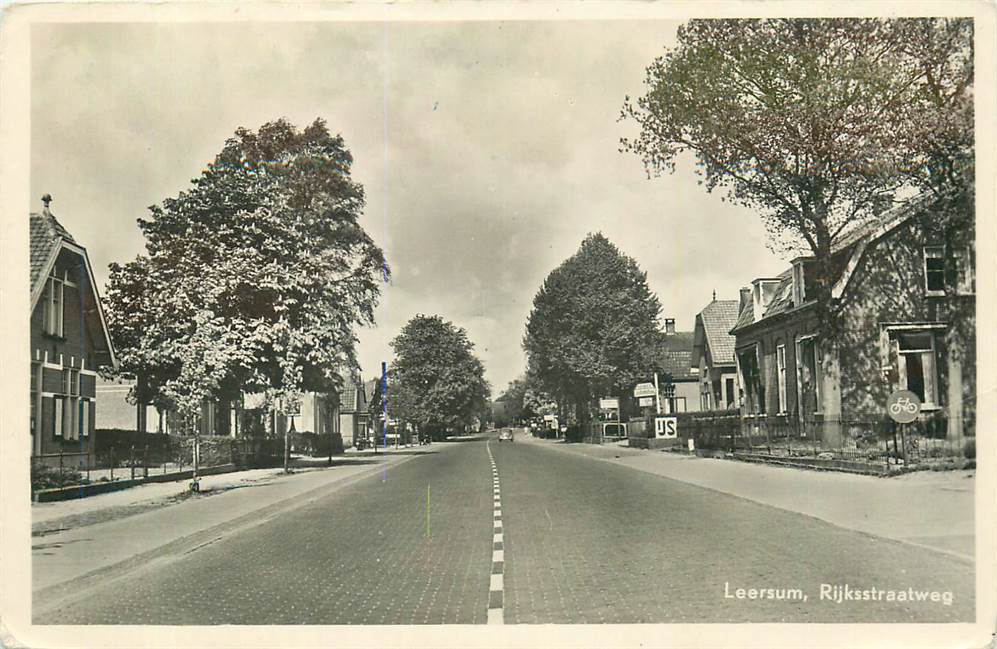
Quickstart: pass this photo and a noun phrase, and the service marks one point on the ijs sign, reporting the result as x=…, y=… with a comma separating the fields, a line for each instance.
x=665, y=427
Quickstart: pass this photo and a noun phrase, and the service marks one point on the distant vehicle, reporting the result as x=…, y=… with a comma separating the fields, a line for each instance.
x=505, y=434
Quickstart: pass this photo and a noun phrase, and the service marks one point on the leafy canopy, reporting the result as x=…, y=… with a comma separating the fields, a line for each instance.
x=814, y=123
x=436, y=381
x=254, y=277
x=593, y=325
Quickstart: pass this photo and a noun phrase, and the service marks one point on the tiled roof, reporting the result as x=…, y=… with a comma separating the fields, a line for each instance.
x=675, y=355
x=872, y=227
x=45, y=233
x=718, y=319
x=371, y=388
x=781, y=301
x=352, y=391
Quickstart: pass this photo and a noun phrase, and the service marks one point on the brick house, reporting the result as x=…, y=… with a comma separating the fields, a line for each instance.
x=713, y=354
x=903, y=300
x=69, y=343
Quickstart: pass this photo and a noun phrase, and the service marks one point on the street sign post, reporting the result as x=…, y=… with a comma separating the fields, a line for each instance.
x=903, y=406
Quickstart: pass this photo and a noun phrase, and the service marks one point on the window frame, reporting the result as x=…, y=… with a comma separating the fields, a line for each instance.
x=925, y=256
x=54, y=310
x=818, y=373
x=780, y=369
x=929, y=401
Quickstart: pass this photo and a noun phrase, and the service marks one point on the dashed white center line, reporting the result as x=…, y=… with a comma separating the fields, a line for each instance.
x=496, y=583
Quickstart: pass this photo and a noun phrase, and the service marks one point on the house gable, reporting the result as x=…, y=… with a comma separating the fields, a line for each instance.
x=52, y=246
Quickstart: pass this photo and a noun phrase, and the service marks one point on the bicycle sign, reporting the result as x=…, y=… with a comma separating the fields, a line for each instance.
x=903, y=406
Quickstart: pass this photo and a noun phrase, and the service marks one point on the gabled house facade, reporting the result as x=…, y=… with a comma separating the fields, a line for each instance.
x=69, y=343
x=353, y=415
x=713, y=355
x=678, y=380
x=904, y=302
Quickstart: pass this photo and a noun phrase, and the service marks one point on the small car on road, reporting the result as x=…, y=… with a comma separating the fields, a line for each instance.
x=505, y=435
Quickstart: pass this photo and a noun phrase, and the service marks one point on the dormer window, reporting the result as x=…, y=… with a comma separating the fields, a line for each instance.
x=803, y=280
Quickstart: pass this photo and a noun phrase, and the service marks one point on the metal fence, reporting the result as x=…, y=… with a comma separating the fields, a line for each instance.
x=869, y=438
x=160, y=455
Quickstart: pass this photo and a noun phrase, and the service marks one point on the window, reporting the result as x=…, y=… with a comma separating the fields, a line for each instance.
x=731, y=401
x=964, y=263
x=68, y=407
x=780, y=363
x=808, y=376
x=934, y=270
x=54, y=298
x=754, y=391
x=917, y=365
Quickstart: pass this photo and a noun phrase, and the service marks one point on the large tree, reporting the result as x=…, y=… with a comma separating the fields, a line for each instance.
x=436, y=382
x=593, y=326
x=812, y=123
x=254, y=278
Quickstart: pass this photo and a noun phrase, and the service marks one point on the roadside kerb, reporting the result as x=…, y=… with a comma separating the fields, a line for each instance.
x=56, y=595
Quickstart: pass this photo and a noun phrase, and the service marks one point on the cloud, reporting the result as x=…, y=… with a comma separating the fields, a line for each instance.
x=487, y=151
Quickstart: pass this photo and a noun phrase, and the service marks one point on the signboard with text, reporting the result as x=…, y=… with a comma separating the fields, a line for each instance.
x=644, y=390
x=609, y=404
x=646, y=402
x=666, y=427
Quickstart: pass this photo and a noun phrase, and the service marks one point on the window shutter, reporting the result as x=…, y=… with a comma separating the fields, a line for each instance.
x=84, y=417
x=57, y=419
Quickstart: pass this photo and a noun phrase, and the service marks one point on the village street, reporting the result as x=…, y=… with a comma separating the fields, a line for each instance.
x=531, y=531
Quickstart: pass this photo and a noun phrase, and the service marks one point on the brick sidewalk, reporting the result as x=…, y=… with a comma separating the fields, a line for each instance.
x=933, y=509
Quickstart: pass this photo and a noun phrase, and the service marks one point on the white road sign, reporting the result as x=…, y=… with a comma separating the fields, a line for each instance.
x=665, y=427
x=644, y=390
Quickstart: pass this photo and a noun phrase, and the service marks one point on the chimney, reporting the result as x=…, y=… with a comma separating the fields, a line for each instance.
x=669, y=325
x=763, y=290
x=46, y=199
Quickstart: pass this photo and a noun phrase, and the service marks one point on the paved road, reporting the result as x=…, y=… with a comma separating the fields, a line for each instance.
x=584, y=542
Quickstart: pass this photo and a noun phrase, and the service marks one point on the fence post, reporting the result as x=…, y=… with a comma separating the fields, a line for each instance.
x=145, y=461
x=60, y=467
x=131, y=461
x=112, y=463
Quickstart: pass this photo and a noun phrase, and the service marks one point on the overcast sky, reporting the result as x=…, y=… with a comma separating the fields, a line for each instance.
x=487, y=152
